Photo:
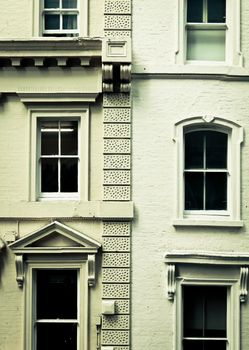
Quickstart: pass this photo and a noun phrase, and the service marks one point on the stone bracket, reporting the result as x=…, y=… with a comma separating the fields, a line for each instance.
x=19, y=270
x=243, y=284
x=116, y=77
x=91, y=270
x=171, y=285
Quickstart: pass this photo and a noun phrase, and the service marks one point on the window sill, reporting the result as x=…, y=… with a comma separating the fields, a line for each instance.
x=208, y=222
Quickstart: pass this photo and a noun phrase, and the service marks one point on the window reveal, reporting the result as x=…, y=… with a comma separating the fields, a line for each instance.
x=56, y=312
x=59, y=156
x=206, y=30
x=205, y=171
x=204, y=318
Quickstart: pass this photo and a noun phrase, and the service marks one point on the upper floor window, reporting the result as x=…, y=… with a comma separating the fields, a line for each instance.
x=61, y=18
x=205, y=171
x=206, y=30
x=208, y=172
x=59, y=157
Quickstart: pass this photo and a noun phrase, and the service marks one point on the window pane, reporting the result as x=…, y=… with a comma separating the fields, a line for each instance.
x=69, y=4
x=49, y=175
x=56, y=294
x=69, y=175
x=204, y=312
x=56, y=336
x=204, y=345
x=69, y=21
x=48, y=4
x=194, y=150
x=194, y=11
x=193, y=191
x=206, y=44
x=69, y=138
x=52, y=22
x=49, y=138
x=216, y=191
x=216, y=11
x=216, y=150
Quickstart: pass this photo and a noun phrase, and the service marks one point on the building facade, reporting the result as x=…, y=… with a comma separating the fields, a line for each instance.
x=65, y=209
x=190, y=175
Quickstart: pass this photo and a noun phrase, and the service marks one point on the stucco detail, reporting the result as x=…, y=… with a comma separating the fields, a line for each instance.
x=116, y=322
x=116, y=146
x=116, y=244
x=117, y=6
x=122, y=306
x=116, y=260
x=115, y=337
x=117, y=115
x=117, y=130
x=116, y=193
x=117, y=33
x=116, y=275
x=119, y=161
x=117, y=22
x=116, y=291
x=116, y=228
x=117, y=100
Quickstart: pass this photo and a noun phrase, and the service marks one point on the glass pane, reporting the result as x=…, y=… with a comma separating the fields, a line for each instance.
x=216, y=191
x=193, y=191
x=194, y=150
x=194, y=11
x=69, y=175
x=52, y=22
x=69, y=4
x=69, y=138
x=69, y=21
x=48, y=4
x=204, y=345
x=216, y=150
x=216, y=11
x=56, y=294
x=205, y=311
x=206, y=44
x=49, y=175
x=49, y=138
x=56, y=336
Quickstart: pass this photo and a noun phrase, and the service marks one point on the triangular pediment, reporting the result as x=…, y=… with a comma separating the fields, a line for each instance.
x=55, y=237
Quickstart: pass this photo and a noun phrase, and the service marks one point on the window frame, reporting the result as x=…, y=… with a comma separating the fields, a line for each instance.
x=230, y=217
x=233, y=55
x=233, y=307
x=30, y=299
x=82, y=116
x=38, y=21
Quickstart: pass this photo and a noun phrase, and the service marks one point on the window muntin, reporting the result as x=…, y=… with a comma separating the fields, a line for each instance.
x=206, y=30
x=61, y=18
x=204, y=317
x=56, y=319
x=59, y=157
x=205, y=170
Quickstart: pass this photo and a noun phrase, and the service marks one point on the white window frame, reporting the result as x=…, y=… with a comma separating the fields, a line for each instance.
x=233, y=308
x=30, y=293
x=233, y=55
x=231, y=216
x=67, y=114
x=82, y=20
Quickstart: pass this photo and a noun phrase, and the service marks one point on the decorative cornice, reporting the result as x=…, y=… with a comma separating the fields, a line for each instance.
x=70, y=96
x=214, y=258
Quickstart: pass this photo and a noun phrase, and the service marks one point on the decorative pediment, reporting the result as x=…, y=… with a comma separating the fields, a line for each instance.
x=55, y=238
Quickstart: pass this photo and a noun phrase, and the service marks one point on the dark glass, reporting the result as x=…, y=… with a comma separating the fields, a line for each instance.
x=48, y=4
x=205, y=312
x=216, y=11
x=69, y=4
x=49, y=138
x=56, y=294
x=194, y=146
x=216, y=191
x=204, y=344
x=69, y=175
x=69, y=138
x=194, y=191
x=49, y=175
x=56, y=336
x=69, y=21
x=195, y=11
x=216, y=150
x=52, y=22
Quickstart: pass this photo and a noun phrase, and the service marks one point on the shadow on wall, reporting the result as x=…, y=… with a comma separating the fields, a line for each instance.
x=2, y=248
